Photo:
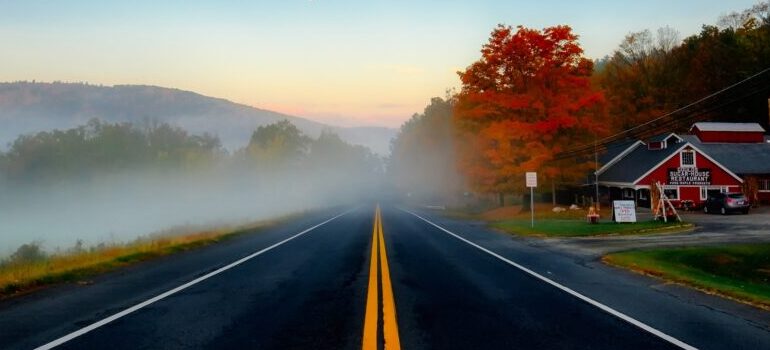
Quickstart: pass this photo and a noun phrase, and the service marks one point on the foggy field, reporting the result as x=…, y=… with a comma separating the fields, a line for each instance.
x=122, y=207
x=105, y=183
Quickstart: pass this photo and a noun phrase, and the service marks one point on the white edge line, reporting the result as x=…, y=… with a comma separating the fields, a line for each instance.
x=166, y=294
x=568, y=290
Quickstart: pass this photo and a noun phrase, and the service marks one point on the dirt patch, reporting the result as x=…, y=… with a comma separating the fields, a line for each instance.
x=501, y=213
x=723, y=259
x=514, y=211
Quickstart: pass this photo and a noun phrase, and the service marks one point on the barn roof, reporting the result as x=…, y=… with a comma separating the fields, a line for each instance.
x=635, y=164
x=732, y=127
x=740, y=158
x=614, y=149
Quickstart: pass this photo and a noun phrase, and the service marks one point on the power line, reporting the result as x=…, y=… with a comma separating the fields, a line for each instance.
x=696, y=110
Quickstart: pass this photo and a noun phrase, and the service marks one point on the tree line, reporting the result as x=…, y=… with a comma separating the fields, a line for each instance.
x=100, y=148
x=533, y=95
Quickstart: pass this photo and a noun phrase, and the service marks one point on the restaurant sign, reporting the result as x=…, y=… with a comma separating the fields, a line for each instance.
x=689, y=176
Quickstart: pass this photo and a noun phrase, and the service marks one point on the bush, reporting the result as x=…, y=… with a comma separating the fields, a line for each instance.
x=26, y=253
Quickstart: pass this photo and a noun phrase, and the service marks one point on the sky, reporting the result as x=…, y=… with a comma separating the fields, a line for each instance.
x=348, y=63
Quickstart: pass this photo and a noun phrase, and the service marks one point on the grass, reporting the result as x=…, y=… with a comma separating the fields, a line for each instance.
x=567, y=223
x=22, y=275
x=567, y=227
x=739, y=272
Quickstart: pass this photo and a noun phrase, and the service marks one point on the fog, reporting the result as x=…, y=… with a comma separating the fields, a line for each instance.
x=119, y=207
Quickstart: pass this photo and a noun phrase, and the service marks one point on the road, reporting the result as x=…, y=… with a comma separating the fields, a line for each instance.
x=347, y=278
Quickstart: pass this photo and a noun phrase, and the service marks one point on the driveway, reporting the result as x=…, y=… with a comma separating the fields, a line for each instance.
x=710, y=229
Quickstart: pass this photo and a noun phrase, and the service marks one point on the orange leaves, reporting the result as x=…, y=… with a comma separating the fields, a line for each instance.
x=525, y=99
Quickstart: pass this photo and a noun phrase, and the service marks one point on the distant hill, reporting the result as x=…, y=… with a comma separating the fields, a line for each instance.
x=31, y=107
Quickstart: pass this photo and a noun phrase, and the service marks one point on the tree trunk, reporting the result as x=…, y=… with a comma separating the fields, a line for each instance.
x=501, y=199
x=553, y=193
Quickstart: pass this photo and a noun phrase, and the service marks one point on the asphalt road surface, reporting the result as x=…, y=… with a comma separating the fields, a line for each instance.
x=353, y=278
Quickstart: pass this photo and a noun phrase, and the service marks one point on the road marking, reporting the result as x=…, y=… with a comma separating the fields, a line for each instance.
x=164, y=295
x=371, y=319
x=390, y=326
x=568, y=290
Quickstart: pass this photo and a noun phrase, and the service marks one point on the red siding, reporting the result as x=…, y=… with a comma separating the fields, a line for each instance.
x=719, y=177
x=690, y=192
x=730, y=136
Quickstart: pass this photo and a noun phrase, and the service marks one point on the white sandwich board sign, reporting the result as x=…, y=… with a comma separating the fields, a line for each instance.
x=625, y=211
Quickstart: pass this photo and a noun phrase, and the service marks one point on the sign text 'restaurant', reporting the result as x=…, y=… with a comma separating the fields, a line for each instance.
x=689, y=176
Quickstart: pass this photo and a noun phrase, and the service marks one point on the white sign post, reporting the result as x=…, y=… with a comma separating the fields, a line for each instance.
x=625, y=211
x=531, y=178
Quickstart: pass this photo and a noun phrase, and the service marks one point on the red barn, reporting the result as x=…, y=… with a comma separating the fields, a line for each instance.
x=718, y=157
x=729, y=132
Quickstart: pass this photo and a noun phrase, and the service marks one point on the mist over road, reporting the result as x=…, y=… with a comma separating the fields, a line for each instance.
x=307, y=284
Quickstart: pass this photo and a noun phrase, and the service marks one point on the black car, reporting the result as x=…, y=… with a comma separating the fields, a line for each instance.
x=724, y=203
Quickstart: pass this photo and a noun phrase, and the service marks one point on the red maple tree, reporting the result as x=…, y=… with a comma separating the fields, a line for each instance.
x=526, y=99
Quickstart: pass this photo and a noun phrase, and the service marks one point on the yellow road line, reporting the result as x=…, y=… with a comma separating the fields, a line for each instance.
x=371, y=317
x=390, y=326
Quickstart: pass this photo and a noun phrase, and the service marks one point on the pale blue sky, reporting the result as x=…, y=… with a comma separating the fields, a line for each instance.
x=343, y=62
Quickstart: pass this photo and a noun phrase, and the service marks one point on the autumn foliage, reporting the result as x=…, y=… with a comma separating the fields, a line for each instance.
x=526, y=99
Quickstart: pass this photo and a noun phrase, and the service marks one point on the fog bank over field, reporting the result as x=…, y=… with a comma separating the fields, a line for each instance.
x=120, y=208
x=111, y=183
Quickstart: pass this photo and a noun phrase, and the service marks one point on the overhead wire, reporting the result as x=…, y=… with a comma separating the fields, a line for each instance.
x=698, y=110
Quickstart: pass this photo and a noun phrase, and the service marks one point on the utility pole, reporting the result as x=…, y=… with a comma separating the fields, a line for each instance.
x=596, y=173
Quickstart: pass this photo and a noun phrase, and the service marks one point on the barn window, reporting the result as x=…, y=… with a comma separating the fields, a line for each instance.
x=763, y=185
x=687, y=158
x=671, y=193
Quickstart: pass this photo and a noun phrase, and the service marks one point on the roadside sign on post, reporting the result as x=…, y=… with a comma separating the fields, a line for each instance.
x=531, y=179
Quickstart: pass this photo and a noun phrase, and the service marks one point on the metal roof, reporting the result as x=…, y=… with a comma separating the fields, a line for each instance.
x=614, y=149
x=635, y=164
x=736, y=127
x=663, y=137
x=740, y=158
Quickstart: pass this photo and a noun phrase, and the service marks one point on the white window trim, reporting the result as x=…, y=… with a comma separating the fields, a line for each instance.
x=768, y=185
x=681, y=159
x=704, y=190
x=642, y=195
x=672, y=188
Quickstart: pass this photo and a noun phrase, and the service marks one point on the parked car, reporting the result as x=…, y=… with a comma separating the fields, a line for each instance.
x=724, y=203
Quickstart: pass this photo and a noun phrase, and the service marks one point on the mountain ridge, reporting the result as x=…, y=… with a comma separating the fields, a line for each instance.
x=28, y=107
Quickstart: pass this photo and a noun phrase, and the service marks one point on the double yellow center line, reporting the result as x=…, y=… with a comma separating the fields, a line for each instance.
x=371, y=320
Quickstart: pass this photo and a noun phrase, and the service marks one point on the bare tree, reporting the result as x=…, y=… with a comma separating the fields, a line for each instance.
x=668, y=39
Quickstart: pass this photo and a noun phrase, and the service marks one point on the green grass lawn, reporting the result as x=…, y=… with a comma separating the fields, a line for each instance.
x=740, y=272
x=579, y=227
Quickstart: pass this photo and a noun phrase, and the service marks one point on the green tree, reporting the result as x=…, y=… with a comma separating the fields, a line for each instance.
x=277, y=145
x=423, y=161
